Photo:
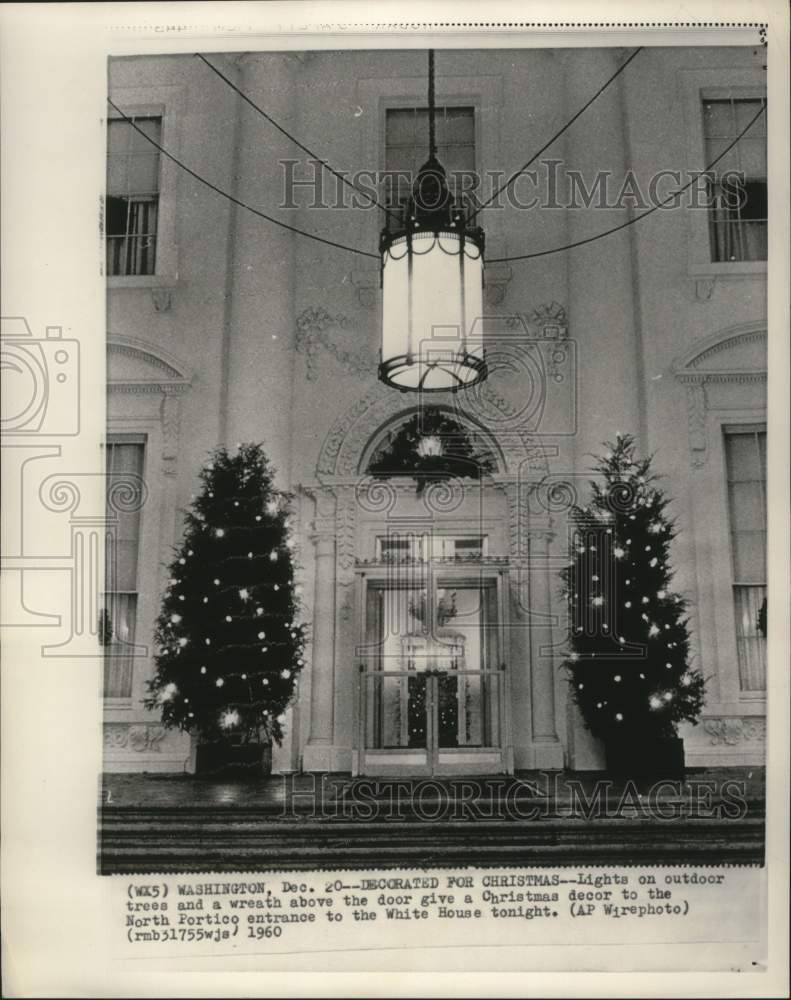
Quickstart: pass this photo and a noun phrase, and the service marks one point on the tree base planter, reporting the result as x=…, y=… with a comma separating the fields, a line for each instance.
x=661, y=758
x=240, y=761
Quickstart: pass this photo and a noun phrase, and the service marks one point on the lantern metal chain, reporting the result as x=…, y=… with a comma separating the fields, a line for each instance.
x=432, y=129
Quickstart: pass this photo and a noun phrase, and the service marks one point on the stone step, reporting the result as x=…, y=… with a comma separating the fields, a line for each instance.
x=143, y=843
x=267, y=826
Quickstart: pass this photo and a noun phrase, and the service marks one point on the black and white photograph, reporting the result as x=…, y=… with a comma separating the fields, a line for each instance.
x=364, y=431
x=420, y=561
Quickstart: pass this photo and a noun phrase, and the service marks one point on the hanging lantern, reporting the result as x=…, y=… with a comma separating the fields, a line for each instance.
x=432, y=286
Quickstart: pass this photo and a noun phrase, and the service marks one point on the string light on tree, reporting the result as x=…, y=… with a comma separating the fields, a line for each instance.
x=212, y=656
x=601, y=660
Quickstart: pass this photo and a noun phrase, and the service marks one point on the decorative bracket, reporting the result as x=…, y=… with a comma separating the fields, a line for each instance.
x=496, y=278
x=704, y=289
x=162, y=299
x=366, y=283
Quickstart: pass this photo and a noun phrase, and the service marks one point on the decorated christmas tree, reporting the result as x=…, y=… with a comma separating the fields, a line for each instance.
x=228, y=637
x=629, y=638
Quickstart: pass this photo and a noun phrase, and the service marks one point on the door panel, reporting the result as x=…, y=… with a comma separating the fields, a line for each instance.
x=431, y=686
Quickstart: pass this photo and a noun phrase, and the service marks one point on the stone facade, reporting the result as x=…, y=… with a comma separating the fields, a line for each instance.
x=250, y=333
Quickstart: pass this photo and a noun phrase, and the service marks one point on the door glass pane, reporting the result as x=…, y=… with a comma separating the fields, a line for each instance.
x=466, y=658
x=432, y=654
x=396, y=682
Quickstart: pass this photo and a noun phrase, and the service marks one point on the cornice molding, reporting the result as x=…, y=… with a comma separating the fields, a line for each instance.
x=694, y=360
x=691, y=370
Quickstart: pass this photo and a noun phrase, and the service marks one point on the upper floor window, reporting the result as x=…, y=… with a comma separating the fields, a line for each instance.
x=738, y=217
x=745, y=458
x=406, y=149
x=132, y=206
x=124, y=455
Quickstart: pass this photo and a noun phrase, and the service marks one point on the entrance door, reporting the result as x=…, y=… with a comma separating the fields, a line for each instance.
x=431, y=696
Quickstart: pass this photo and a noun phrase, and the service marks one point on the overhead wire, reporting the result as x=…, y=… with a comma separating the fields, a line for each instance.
x=238, y=201
x=492, y=260
x=642, y=215
x=556, y=136
x=324, y=163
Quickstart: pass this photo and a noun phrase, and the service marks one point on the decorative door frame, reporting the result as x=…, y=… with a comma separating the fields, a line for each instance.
x=336, y=494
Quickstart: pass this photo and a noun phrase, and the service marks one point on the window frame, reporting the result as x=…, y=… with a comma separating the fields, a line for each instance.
x=115, y=437
x=135, y=197
x=696, y=87
x=166, y=103
x=731, y=99
x=734, y=429
x=445, y=106
x=435, y=536
x=483, y=93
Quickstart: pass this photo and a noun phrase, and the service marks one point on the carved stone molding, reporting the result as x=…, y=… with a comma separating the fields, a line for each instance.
x=734, y=731
x=344, y=448
x=346, y=518
x=149, y=356
x=171, y=409
x=148, y=370
x=322, y=527
x=496, y=278
x=518, y=517
x=366, y=284
x=737, y=356
x=696, y=419
x=316, y=332
x=140, y=737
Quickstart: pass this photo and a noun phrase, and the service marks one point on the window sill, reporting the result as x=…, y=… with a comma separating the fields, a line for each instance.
x=753, y=698
x=145, y=281
x=118, y=704
x=729, y=269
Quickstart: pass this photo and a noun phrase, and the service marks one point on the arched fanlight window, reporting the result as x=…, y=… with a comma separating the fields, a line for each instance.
x=431, y=446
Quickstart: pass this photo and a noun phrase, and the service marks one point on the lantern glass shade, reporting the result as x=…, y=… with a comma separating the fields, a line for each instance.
x=432, y=300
